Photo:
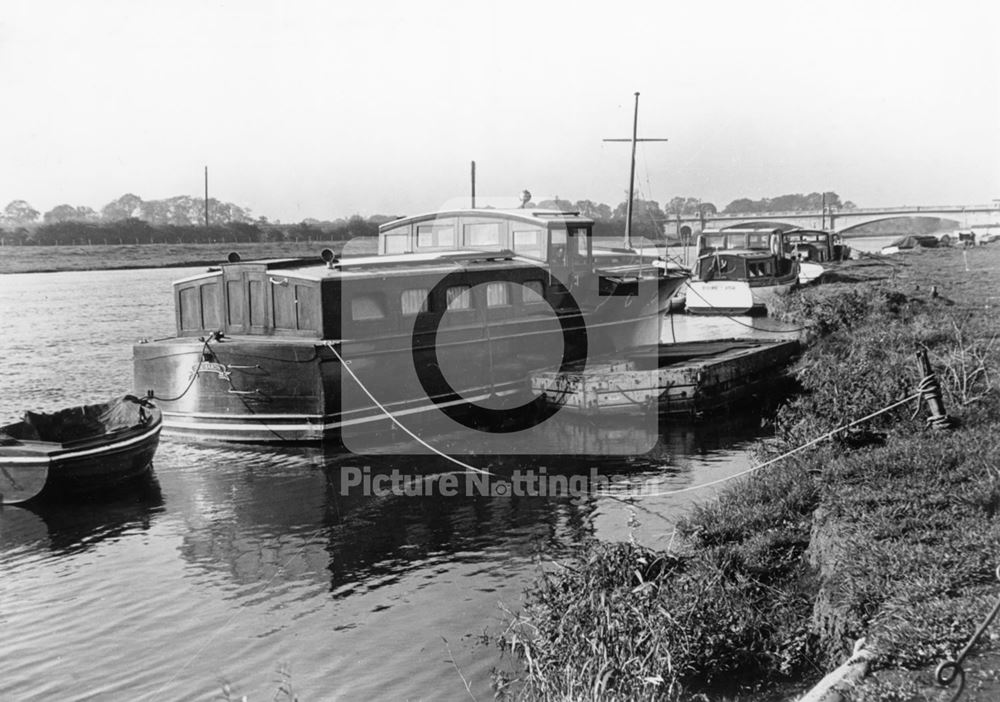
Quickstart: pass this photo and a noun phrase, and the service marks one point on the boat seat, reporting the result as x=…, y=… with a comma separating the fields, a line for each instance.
x=6, y=439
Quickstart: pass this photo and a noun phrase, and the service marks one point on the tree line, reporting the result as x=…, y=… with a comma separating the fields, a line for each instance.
x=181, y=219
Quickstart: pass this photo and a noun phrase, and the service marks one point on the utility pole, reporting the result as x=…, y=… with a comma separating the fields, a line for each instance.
x=206, y=197
x=473, y=185
x=631, y=176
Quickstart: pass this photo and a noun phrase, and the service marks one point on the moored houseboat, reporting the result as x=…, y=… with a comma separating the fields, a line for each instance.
x=451, y=316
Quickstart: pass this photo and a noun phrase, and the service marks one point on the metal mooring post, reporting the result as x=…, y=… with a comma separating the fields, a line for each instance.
x=930, y=391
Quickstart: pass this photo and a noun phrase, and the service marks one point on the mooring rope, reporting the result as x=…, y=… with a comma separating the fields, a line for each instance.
x=798, y=449
x=346, y=366
x=194, y=374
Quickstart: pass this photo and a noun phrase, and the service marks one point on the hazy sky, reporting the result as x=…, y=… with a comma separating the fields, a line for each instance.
x=329, y=108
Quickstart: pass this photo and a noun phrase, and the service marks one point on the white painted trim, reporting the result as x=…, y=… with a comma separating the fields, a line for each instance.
x=257, y=425
x=55, y=455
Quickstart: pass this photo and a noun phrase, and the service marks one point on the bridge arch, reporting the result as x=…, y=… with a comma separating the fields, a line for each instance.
x=848, y=229
x=761, y=224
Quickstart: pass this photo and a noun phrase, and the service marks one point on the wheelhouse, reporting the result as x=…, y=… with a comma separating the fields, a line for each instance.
x=808, y=245
x=738, y=265
x=712, y=240
x=554, y=236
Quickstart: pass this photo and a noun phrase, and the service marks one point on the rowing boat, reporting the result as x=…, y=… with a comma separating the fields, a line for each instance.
x=79, y=450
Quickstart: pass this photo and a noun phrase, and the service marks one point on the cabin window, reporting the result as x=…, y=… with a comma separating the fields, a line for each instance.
x=414, y=301
x=758, y=241
x=528, y=242
x=367, y=307
x=486, y=235
x=497, y=294
x=397, y=243
x=533, y=291
x=459, y=297
x=258, y=308
x=435, y=235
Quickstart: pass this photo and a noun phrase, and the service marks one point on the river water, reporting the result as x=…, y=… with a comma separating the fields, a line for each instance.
x=230, y=563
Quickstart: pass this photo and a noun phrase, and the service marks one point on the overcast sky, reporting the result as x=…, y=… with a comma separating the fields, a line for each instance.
x=325, y=109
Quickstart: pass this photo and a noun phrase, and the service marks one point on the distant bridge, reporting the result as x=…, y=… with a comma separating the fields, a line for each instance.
x=832, y=219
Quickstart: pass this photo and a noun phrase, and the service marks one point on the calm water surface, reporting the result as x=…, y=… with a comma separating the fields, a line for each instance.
x=230, y=562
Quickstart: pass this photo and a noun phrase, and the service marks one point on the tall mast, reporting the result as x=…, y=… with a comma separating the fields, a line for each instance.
x=631, y=175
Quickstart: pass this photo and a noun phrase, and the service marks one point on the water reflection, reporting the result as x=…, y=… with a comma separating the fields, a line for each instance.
x=66, y=527
x=283, y=515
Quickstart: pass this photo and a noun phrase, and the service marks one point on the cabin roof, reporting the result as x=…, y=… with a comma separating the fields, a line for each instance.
x=395, y=265
x=537, y=217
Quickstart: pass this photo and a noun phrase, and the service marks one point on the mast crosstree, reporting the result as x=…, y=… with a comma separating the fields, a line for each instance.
x=631, y=176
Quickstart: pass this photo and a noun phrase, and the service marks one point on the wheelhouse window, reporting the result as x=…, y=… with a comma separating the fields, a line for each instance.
x=528, y=242
x=483, y=235
x=579, y=236
x=397, y=243
x=367, y=307
x=414, y=301
x=459, y=297
x=557, y=246
x=435, y=236
x=497, y=294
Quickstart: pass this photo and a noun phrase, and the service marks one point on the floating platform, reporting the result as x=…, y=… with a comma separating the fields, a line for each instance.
x=678, y=379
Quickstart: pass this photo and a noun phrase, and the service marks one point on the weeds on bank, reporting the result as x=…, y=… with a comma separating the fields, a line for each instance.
x=889, y=532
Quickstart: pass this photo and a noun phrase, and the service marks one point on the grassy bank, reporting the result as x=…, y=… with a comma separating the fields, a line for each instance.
x=44, y=259
x=889, y=531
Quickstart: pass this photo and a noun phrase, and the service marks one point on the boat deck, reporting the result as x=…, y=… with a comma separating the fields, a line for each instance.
x=678, y=379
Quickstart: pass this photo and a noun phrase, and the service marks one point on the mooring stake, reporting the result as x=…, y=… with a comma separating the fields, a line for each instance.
x=930, y=392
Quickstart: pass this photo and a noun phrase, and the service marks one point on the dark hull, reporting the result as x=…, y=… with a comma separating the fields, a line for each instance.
x=109, y=468
x=287, y=390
